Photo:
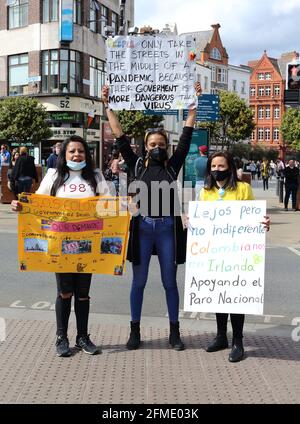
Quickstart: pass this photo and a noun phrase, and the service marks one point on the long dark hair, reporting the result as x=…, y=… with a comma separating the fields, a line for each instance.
x=232, y=180
x=62, y=170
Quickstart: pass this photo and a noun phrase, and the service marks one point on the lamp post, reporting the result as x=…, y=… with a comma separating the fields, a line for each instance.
x=122, y=23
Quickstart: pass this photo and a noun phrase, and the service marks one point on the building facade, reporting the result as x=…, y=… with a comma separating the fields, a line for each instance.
x=61, y=62
x=239, y=81
x=267, y=84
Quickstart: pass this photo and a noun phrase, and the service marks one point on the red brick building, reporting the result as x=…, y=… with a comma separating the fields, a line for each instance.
x=267, y=84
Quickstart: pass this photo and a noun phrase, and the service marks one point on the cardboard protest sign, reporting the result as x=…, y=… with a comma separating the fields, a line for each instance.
x=225, y=257
x=151, y=72
x=72, y=235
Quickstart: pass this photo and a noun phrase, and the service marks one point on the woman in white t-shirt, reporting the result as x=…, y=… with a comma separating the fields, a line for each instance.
x=74, y=177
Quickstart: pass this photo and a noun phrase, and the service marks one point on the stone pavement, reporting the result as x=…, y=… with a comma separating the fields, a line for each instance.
x=30, y=373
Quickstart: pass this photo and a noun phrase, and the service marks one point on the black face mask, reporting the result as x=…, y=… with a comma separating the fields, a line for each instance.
x=158, y=154
x=220, y=175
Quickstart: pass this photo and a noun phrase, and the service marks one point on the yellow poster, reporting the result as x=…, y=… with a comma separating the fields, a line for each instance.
x=73, y=235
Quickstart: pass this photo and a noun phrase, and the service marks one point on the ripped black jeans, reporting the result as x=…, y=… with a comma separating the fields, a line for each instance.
x=79, y=285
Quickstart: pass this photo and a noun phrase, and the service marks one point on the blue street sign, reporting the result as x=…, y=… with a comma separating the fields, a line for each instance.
x=208, y=108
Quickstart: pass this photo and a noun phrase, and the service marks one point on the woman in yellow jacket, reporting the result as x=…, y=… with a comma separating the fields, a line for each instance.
x=222, y=184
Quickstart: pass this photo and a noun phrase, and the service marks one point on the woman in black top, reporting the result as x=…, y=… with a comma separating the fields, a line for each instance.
x=157, y=227
x=24, y=171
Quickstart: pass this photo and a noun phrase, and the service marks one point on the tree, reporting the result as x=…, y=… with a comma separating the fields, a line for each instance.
x=135, y=123
x=235, y=123
x=290, y=128
x=23, y=119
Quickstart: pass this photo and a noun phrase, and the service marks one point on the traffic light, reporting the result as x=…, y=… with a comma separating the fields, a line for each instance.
x=293, y=76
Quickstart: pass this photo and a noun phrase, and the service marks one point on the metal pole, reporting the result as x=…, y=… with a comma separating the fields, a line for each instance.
x=122, y=22
x=281, y=189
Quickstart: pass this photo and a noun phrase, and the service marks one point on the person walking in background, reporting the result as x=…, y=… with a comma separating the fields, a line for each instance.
x=74, y=177
x=222, y=184
x=265, y=172
x=4, y=157
x=10, y=180
x=115, y=169
x=252, y=169
x=200, y=169
x=52, y=159
x=161, y=230
x=258, y=169
x=24, y=171
x=291, y=174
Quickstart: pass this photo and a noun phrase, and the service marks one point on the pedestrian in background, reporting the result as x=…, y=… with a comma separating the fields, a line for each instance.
x=161, y=232
x=200, y=169
x=74, y=177
x=24, y=171
x=52, y=159
x=265, y=173
x=12, y=186
x=291, y=175
x=222, y=184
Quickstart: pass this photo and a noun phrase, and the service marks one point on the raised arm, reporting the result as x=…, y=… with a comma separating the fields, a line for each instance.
x=112, y=118
x=191, y=118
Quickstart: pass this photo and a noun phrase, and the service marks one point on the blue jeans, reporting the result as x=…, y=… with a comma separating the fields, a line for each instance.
x=24, y=184
x=158, y=232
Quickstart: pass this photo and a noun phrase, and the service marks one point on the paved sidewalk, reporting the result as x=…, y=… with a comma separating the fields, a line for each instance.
x=31, y=373
x=154, y=374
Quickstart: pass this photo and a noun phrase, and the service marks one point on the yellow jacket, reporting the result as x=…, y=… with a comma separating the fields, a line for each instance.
x=242, y=192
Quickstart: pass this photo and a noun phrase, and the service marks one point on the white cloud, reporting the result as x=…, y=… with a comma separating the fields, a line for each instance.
x=248, y=27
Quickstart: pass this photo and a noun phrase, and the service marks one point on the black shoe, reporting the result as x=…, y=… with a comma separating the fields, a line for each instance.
x=62, y=346
x=286, y=209
x=218, y=343
x=237, y=352
x=174, y=338
x=85, y=343
x=134, y=340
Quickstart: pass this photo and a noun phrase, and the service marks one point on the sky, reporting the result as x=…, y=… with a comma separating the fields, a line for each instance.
x=248, y=27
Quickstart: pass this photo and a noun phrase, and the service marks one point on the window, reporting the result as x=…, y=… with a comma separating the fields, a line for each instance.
x=260, y=134
x=268, y=76
x=115, y=22
x=18, y=74
x=268, y=91
x=50, y=10
x=261, y=91
x=253, y=112
x=260, y=76
x=268, y=112
x=213, y=73
x=243, y=87
x=267, y=134
x=77, y=13
x=18, y=14
x=253, y=135
x=93, y=16
x=276, y=134
x=215, y=54
x=222, y=75
x=205, y=83
x=61, y=71
x=260, y=112
x=50, y=72
x=104, y=19
x=97, y=76
x=234, y=85
x=252, y=91
x=276, y=112
x=276, y=90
